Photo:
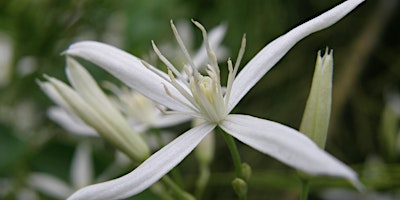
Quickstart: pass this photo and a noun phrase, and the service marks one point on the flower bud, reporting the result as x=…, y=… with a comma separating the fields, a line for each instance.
x=315, y=121
x=240, y=187
x=246, y=171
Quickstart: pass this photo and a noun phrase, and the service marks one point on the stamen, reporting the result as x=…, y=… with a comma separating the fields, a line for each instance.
x=211, y=71
x=177, y=99
x=151, y=68
x=187, y=71
x=202, y=101
x=183, y=48
x=206, y=104
x=229, y=82
x=210, y=52
x=233, y=70
x=240, y=55
x=166, y=61
x=218, y=100
x=174, y=83
x=180, y=88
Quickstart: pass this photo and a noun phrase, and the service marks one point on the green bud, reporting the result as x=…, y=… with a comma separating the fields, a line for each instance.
x=240, y=187
x=246, y=171
x=389, y=132
x=315, y=121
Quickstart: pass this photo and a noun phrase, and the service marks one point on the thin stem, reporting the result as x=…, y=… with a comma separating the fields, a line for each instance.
x=237, y=162
x=202, y=181
x=239, y=183
x=178, y=191
x=304, y=190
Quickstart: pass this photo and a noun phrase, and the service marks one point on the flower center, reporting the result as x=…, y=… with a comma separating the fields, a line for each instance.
x=204, y=92
x=208, y=97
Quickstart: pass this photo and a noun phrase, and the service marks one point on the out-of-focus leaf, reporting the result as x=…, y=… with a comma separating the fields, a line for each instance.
x=11, y=149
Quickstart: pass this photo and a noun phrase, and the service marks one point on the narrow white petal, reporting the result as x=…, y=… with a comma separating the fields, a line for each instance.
x=49, y=185
x=70, y=122
x=274, y=51
x=150, y=171
x=85, y=85
x=53, y=94
x=87, y=88
x=109, y=130
x=287, y=145
x=129, y=70
x=82, y=166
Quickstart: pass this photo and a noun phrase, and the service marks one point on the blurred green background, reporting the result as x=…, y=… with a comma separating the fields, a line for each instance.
x=33, y=34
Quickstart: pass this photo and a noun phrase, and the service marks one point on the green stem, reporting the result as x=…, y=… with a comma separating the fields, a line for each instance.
x=241, y=188
x=202, y=181
x=237, y=162
x=178, y=191
x=304, y=190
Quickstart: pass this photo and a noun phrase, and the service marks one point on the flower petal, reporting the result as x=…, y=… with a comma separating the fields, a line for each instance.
x=274, y=51
x=315, y=120
x=90, y=116
x=70, y=122
x=87, y=88
x=287, y=145
x=85, y=85
x=52, y=93
x=150, y=171
x=129, y=70
x=49, y=185
x=82, y=166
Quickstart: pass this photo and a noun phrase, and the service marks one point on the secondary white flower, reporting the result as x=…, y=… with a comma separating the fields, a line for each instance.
x=202, y=96
x=141, y=112
x=92, y=106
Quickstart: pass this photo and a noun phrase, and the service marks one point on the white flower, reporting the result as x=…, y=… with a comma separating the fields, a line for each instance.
x=202, y=96
x=93, y=107
x=141, y=112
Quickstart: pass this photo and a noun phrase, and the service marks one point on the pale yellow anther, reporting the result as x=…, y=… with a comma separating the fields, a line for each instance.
x=204, y=92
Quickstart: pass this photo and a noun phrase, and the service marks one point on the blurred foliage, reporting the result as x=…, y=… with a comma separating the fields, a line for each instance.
x=367, y=65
